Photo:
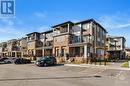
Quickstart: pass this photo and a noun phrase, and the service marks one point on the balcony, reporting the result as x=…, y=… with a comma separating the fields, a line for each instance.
x=48, y=43
x=38, y=44
x=4, y=49
x=87, y=32
x=80, y=41
x=15, y=48
x=60, y=31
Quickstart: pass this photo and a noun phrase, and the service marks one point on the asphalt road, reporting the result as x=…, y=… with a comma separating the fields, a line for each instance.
x=31, y=75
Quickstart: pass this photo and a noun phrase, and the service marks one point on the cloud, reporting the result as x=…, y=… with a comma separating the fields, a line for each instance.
x=123, y=25
x=7, y=21
x=42, y=28
x=15, y=32
x=117, y=21
x=40, y=15
x=117, y=25
x=11, y=28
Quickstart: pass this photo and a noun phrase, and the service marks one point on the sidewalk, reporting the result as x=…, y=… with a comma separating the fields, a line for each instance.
x=113, y=66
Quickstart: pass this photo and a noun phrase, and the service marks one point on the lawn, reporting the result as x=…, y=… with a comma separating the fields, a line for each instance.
x=125, y=64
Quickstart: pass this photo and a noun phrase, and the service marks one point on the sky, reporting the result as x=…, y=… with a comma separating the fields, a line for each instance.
x=40, y=15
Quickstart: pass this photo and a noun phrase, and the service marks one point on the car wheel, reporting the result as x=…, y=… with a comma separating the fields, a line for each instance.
x=45, y=64
x=8, y=62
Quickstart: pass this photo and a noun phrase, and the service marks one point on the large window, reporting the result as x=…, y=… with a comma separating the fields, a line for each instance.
x=85, y=26
x=77, y=51
x=76, y=39
x=100, y=51
x=62, y=52
x=57, y=52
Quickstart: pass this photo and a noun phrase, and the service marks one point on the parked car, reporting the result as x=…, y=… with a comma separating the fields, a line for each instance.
x=46, y=61
x=2, y=59
x=21, y=61
x=9, y=60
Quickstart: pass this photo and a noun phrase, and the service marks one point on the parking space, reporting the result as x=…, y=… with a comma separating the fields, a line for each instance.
x=59, y=75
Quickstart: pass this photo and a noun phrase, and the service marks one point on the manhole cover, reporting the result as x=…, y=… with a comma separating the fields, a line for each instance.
x=97, y=76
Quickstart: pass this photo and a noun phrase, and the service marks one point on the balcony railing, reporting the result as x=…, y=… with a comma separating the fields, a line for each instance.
x=48, y=43
x=64, y=30
x=60, y=31
x=15, y=48
x=80, y=39
x=39, y=44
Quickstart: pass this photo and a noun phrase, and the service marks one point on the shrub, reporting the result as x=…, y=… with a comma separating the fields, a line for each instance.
x=125, y=64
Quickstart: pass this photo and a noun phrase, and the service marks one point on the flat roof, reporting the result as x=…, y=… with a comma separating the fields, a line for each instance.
x=114, y=37
x=48, y=31
x=33, y=33
x=89, y=20
x=68, y=22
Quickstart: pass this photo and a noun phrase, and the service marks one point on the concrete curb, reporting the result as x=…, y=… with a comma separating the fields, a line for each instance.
x=97, y=66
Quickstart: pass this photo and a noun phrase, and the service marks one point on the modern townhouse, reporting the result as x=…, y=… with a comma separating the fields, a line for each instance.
x=13, y=48
x=10, y=48
x=61, y=39
x=47, y=43
x=34, y=45
x=116, y=47
x=3, y=49
x=79, y=40
x=127, y=52
x=23, y=46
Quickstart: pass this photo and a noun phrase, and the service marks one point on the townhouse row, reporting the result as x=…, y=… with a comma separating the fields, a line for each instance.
x=79, y=40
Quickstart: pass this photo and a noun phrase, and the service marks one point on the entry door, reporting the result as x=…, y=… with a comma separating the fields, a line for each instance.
x=57, y=52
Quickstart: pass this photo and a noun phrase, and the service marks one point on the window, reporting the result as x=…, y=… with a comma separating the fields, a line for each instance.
x=97, y=29
x=62, y=52
x=85, y=26
x=76, y=39
x=76, y=28
x=98, y=39
x=57, y=52
x=77, y=51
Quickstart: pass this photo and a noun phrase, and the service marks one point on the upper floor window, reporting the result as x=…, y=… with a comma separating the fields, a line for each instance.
x=42, y=36
x=76, y=39
x=97, y=29
x=76, y=28
x=86, y=26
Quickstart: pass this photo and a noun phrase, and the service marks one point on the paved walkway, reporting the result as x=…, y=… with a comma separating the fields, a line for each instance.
x=111, y=66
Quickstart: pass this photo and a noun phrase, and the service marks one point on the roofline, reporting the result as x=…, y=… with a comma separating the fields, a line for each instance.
x=62, y=24
x=92, y=20
x=32, y=33
x=83, y=21
x=116, y=37
x=48, y=31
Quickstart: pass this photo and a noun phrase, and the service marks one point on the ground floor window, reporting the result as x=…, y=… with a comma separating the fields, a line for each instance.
x=57, y=52
x=13, y=54
x=62, y=52
x=77, y=51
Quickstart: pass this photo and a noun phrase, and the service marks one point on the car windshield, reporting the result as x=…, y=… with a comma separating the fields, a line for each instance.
x=46, y=57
